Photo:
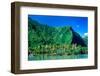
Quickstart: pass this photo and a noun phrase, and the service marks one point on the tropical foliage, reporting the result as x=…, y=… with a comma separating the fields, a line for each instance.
x=44, y=40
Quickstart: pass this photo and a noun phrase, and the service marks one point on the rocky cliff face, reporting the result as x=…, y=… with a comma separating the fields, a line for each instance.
x=77, y=39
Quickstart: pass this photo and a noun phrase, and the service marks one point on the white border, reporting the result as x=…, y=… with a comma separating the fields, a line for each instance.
x=25, y=64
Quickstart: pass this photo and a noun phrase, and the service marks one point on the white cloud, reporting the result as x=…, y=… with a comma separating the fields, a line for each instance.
x=85, y=34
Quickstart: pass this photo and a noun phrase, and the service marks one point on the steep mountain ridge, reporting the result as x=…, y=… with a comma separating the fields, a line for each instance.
x=42, y=34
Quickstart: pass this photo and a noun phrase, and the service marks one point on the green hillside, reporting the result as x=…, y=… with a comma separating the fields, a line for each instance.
x=44, y=39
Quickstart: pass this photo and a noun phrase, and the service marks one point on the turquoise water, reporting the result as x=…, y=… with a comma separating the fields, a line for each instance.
x=56, y=57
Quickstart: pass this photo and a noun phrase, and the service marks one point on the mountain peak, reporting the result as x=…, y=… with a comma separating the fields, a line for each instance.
x=58, y=35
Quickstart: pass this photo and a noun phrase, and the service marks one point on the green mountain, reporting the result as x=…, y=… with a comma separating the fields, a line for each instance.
x=41, y=34
x=86, y=39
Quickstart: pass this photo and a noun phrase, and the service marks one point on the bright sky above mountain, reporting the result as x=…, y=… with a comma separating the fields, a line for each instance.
x=79, y=24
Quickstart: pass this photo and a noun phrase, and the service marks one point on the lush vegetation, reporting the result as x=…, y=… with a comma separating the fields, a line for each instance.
x=44, y=40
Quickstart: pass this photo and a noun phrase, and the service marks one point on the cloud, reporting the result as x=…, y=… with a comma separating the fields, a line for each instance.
x=85, y=34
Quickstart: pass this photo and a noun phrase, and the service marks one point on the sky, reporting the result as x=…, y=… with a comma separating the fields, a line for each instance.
x=79, y=24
